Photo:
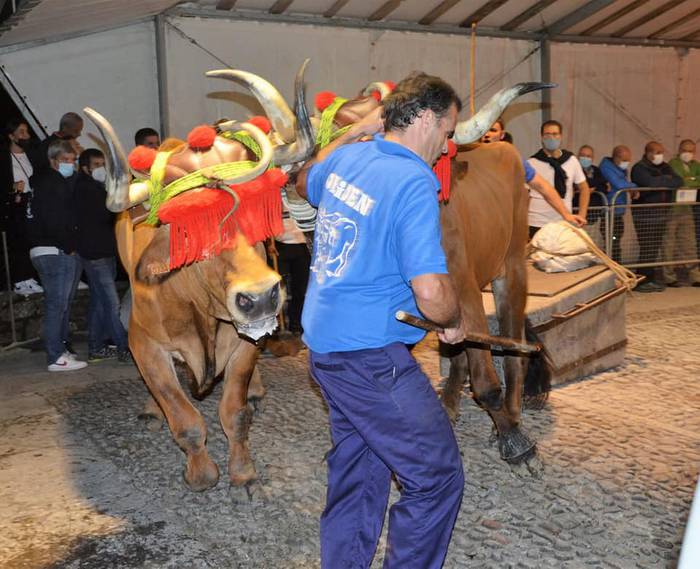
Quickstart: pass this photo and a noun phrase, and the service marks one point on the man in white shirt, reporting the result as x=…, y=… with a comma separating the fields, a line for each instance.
x=562, y=170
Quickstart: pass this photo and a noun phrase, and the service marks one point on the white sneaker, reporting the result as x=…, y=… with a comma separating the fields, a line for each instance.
x=34, y=286
x=65, y=364
x=82, y=286
x=67, y=355
x=25, y=288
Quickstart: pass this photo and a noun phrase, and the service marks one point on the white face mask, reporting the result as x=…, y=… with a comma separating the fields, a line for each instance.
x=687, y=156
x=658, y=159
x=99, y=174
x=624, y=165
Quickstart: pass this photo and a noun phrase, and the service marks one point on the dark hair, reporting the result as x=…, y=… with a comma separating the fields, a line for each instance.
x=551, y=123
x=143, y=133
x=508, y=137
x=415, y=94
x=87, y=154
x=501, y=122
x=69, y=120
x=13, y=124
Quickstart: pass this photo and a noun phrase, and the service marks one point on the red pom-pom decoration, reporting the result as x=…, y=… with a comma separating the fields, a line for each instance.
x=141, y=158
x=262, y=123
x=201, y=137
x=323, y=99
x=390, y=84
x=377, y=96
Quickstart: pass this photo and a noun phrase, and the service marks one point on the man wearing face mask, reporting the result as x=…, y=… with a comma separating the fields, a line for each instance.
x=53, y=238
x=97, y=247
x=561, y=169
x=615, y=169
x=679, y=240
x=650, y=222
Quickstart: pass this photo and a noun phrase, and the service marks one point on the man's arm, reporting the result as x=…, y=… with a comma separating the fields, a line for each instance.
x=437, y=300
x=584, y=198
x=551, y=196
x=371, y=124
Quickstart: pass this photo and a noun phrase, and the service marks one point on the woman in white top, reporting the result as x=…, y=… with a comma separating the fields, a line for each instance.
x=16, y=170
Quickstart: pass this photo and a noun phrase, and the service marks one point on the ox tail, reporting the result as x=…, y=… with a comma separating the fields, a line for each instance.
x=538, y=380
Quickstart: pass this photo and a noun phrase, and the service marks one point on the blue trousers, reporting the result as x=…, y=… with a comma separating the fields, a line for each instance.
x=59, y=276
x=386, y=418
x=103, y=310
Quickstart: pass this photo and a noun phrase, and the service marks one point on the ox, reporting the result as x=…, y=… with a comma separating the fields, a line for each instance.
x=195, y=313
x=484, y=225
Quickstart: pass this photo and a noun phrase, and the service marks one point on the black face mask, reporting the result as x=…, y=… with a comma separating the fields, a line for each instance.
x=23, y=143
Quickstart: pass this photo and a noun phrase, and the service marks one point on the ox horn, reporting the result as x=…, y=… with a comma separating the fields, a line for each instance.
x=264, y=143
x=380, y=86
x=305, y=140
x=120, y=195
x=272, y=102
x=473, y=129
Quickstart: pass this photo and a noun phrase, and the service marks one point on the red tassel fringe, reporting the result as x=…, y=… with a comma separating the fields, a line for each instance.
x=443, y=171
x=194, y=217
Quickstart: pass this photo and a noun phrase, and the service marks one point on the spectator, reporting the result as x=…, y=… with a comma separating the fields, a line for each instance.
x=561, y=169
x=650, y=222
x=97, y=248
x=53, y=238
x=497, y=133
x=679, y=240
x=615, y=170
x=598, y=185
x=69, y=129
x=147, y=137
x=16, y=169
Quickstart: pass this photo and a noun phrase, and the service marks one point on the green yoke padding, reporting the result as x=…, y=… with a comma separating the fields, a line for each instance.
x=325, y=134
x=245, y=139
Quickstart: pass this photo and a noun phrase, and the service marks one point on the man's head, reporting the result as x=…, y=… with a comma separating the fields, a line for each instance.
x=423, y=108
x=62, y=157
x=654, y=152
x=92, y=163
x=71, y=125
x=496, y=133
x=147, y=137
x=586, y=156
x=551, y=135
x=686, y=150
x=622, y=156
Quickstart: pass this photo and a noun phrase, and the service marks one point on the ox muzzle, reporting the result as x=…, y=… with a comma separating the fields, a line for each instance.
x=255, y=312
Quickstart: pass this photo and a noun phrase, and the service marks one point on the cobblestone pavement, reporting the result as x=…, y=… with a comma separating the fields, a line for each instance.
x=84, y=485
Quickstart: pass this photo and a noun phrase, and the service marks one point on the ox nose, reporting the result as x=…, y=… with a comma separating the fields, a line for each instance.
x=247, y=302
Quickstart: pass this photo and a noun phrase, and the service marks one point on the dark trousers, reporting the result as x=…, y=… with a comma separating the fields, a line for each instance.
x=650, y=225
x=103, y=310
x=293, y=263
x=618, y=230
x=59, y=276
x=386, y=418
x=21, y=268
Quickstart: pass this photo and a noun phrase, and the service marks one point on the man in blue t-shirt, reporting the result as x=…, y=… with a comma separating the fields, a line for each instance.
x=377, y=250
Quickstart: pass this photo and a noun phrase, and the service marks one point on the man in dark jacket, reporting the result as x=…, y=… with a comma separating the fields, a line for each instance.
x=650, y=222
x=52, y=237
x=70, y=128
x=98, y=248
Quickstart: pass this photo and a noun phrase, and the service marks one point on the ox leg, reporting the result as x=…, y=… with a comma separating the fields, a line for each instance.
x=236, y=416
x=185, y=422
x=152, y=415
x=256, y=391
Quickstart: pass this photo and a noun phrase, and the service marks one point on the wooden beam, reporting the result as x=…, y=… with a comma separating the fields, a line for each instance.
x=438, y=11
x=225, y=4
x=648, y=18
x=384, y=10
x=614, y=17
x=337, y=6
x=482, y=12
x=673, y=25
x=527, y=14
x=578, y=15
x=280, y=6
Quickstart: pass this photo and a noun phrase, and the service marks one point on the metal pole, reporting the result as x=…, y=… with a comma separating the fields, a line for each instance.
x=6, y=257
x=162, y=74
x=546, y=77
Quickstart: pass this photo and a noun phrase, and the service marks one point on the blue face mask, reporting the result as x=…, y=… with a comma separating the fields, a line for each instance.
x=551, y=143
x=585, y=161
x=66, y=169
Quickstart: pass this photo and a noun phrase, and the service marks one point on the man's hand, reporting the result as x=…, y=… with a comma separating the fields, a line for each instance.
x=576, y=220
x=371, y=124
x=451, y=335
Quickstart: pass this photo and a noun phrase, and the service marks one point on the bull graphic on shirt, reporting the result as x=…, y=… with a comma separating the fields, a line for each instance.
x=335, y=238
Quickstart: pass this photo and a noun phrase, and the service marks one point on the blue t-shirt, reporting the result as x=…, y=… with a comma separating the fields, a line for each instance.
x=378, y=227
x=529, y=171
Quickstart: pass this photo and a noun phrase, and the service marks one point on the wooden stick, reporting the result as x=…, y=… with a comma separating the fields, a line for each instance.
x=472, y=71
x=501, y=341
x=275, y=266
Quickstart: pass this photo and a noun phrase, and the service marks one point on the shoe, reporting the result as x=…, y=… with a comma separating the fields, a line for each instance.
x=102, y=354
x=69, y=349
x=673, y=284
x=125, y=357
x=82, y=286
x=696, y=284
x=649, y=287
x=66, y=364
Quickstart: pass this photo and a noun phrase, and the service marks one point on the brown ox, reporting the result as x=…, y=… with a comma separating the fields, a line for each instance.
x=194, y=314
x=484, y=227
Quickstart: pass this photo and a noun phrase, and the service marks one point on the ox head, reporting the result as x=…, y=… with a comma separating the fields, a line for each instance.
x=231, y=270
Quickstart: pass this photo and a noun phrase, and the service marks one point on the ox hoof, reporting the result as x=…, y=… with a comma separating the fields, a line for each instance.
x=256, y=491
x=241, y=474
x=515, y=446
x=535, y=402
x=152, y=422
x=256, y=404
x=532, y=467
x=201, y=475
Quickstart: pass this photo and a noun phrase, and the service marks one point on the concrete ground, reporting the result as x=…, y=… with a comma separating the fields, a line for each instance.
x=84, y=485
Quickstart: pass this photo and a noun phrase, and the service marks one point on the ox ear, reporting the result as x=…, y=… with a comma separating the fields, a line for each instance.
x=154, y=264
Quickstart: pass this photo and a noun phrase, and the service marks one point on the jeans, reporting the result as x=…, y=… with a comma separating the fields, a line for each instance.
x=103, y=310
x=386, y=418
x=59, y=276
